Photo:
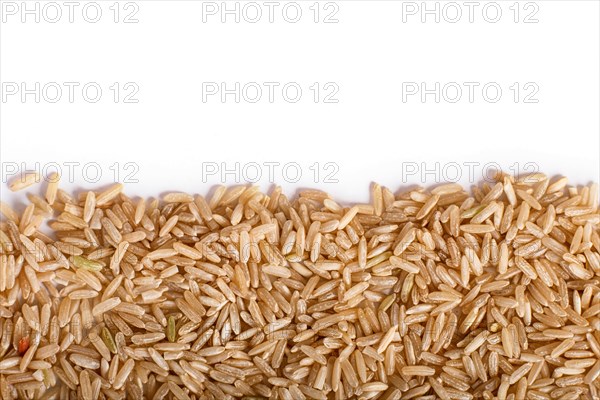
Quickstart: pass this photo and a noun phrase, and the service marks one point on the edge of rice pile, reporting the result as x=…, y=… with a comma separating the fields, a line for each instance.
x=429, y=294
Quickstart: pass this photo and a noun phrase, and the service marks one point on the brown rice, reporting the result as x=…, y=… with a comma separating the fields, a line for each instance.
x=426, y=294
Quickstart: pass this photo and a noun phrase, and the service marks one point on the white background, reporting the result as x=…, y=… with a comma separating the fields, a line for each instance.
x=173, y=140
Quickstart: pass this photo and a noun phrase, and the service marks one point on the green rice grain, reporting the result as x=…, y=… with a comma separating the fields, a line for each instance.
x=171, y=332
x=81, y=262
x=108, y=340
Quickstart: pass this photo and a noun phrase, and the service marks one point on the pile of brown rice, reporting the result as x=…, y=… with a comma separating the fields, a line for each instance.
x=430, y=294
